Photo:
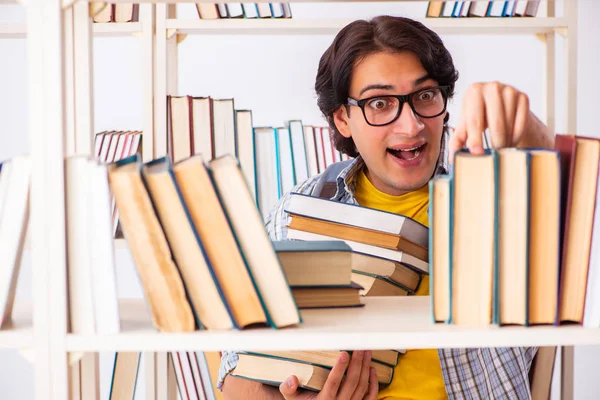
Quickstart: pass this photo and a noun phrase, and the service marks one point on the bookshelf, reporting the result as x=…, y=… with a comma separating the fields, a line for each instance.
x=378, y=325
x=59, y=130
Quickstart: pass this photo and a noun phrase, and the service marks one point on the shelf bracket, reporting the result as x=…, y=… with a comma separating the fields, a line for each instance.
x=96, y=7
x=541, y=37
x=181, y=37
x=562, y=31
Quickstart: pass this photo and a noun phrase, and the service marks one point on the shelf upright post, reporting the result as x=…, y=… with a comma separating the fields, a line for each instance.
x=147, y=20
x=160, y=82
x=47, y=201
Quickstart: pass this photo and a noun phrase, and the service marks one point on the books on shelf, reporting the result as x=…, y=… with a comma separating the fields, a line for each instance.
x=477, y=8
x=243, y=10
x=121, y=12
x=273, y=159
x=511, y=243
x=199, y=245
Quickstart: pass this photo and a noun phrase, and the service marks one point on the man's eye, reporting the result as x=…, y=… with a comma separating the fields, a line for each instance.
x=379, y=104
x=426, y=96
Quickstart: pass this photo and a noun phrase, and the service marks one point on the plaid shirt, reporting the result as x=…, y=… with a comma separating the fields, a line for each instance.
x=481, y=374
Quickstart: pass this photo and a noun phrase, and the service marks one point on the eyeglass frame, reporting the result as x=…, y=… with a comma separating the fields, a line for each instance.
x=402, y=98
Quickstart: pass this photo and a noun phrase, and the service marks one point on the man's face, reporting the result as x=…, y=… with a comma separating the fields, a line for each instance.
x=389, y=169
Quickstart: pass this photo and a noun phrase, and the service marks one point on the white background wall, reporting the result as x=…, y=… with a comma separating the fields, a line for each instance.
x=274, y=76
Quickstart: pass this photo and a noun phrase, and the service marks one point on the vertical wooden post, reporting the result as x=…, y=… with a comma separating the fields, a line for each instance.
x=160, y=82
x=549, y=74
x=147, y=20
x=47, y=136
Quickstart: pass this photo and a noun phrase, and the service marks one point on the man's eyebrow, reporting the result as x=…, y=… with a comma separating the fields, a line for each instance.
x=422, y=79
x=375, y=86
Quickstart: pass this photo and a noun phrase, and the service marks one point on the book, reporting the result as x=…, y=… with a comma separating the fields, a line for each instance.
x=327, y=296
x=358, y=216
x=224, y=257
x=160, y=278
x=247, y=226
x=474, y=246
x=440, y=221
x=357, y=234
x=319, y=263
x=374, y=285
x=124, y=375
x=544, y=236
x=513, y=235
x=273, y=371
x=328, y=358
x=206, y=297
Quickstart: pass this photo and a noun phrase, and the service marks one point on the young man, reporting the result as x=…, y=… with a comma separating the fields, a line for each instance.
x=383, y=86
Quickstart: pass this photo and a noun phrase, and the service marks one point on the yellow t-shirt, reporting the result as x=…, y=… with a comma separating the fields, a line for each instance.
x=418, y=374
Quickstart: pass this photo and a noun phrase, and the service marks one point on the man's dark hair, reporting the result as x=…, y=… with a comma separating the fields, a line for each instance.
x=362, y=38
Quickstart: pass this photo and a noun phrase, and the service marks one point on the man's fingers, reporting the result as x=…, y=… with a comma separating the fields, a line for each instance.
x=475, y=121
x=521, y=118
x=331, y=386
x=373, y=385
x=289, y=388
x=495, y=115
x=458, y=140
x=510, y=97
x=363, y=382
x=352, y=376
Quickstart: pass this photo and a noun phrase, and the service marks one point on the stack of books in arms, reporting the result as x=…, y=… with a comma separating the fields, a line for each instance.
x=515, y=236
x=311, y=367
x=199, y=245
x=389, y=251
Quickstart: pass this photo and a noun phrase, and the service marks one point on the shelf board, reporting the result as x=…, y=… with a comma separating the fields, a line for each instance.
x=503, y=26
x=19, y=31
x=383, y=323
x=13, y=31
x=18, y=333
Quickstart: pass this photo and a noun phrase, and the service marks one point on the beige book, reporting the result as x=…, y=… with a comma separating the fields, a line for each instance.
x=212, y=226
x=124, y=377
x=160, y=278
x=440, y=263
x=189, y=255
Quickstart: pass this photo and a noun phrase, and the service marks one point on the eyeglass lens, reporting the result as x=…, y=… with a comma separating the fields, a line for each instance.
x=383, y=110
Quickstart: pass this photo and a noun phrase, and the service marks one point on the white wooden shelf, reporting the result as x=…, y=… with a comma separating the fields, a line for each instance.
x=18, y=333
x=503, y=26
x=383, y=323
x=19, y=31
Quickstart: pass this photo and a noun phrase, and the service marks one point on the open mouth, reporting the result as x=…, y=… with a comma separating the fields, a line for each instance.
x=407, y=154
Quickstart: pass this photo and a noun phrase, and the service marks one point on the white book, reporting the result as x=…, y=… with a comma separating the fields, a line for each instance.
x=299, y=151
x=328, y=145
x=245, y=147
x=223, y=127
x=104, y=280
x=392, y=255
x=286, y=164
x=320, y=149
x=311, y=150
x=267, y=182
x=197, y=376
x=205, y=374
x=13, y=228
x=79, y=269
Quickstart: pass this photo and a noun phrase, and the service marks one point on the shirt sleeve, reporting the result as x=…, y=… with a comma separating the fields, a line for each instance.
x=276, y=227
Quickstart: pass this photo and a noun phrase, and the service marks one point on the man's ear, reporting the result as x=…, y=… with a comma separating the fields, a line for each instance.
x=340, y=118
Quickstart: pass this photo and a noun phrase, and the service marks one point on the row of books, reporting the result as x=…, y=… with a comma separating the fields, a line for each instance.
x=121, y=12
x=496, y=8
x=243, y=10
x=273, y=159
x=199, y=245
x=516, y=236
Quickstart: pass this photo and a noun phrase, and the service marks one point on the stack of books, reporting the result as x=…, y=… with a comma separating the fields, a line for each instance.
x=243, y=10
x=319, y=273
x=199, y=245
x=311, y=367
x=389, y=251
x=516, y=236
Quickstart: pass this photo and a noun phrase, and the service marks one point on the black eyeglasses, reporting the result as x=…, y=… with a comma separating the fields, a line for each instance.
x=383, y=110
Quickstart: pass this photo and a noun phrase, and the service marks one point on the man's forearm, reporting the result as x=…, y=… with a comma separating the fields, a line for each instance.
x=243, y=389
